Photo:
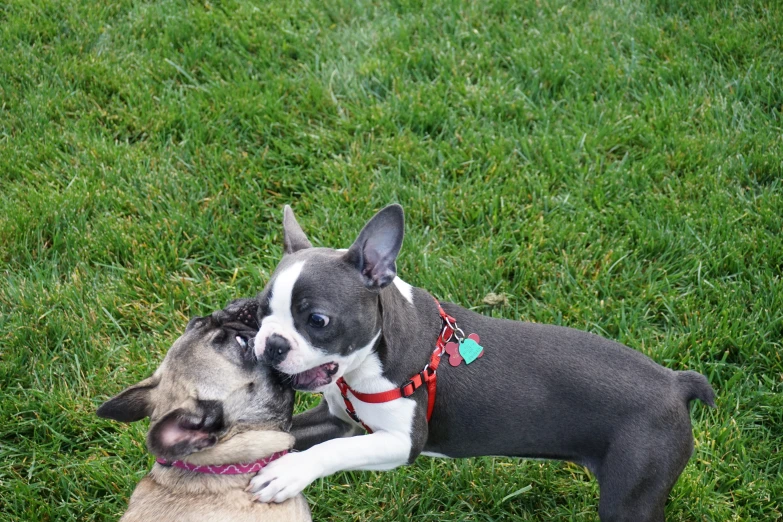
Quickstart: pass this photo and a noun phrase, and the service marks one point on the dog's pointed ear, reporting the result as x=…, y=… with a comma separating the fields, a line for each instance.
x=132, y=404
x=374, y=253
x=294, y=239
x=180, y=433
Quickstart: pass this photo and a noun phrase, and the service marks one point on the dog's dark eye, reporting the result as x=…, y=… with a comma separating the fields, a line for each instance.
x=242, y=341
x=318, y=320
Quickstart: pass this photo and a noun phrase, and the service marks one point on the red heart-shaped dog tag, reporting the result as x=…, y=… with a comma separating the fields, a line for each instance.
x=453, y=350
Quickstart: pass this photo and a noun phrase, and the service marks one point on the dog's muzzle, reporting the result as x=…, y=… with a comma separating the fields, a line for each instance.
x=276, y=349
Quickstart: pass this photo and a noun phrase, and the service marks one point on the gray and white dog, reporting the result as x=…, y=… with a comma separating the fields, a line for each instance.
x=539, y=391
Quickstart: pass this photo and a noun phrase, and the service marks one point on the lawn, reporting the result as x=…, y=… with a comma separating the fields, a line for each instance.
x=614, y=166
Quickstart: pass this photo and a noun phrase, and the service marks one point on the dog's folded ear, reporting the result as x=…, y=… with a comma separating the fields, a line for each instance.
x=243, y=310
x=131, y=405
x=180, y=432
x=294, y=238
x=374, y=253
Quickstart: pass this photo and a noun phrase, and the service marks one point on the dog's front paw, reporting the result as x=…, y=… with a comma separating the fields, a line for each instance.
x=284, y=478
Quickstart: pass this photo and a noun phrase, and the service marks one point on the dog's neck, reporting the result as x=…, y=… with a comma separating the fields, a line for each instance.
x=247, y=446
x=410, y=329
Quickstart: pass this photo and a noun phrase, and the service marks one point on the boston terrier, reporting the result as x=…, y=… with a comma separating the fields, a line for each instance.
x=430, y=378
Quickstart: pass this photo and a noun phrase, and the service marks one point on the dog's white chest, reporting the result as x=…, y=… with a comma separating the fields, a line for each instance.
x=392, y=416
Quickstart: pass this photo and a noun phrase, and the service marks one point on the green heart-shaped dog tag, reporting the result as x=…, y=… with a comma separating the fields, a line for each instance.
x=469, y=350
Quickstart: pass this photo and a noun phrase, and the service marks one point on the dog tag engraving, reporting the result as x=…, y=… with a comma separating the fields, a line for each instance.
x=470, y=349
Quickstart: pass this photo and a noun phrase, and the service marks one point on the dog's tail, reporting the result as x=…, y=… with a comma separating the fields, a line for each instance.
x=696, y=386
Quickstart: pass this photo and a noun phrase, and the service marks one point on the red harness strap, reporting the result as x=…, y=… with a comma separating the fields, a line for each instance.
x=428, y=375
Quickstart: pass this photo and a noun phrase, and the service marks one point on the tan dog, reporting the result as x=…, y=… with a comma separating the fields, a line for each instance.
x=210, y=403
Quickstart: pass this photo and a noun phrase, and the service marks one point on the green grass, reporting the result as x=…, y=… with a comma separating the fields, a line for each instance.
x=614, y=166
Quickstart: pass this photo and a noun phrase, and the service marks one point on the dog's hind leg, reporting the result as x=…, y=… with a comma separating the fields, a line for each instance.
x=639, y=470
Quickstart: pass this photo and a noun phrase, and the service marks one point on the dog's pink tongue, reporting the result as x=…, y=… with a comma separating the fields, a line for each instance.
x=307, y=378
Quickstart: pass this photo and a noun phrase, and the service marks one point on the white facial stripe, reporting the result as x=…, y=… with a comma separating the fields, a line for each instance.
x=281, y=322
x=280, y=304
x=404, y=288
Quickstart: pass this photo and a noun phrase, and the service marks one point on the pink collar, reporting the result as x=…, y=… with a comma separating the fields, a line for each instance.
x=224, y=469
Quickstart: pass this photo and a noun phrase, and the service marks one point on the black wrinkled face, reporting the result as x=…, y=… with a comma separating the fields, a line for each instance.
x=209, y=386
x=229, y=339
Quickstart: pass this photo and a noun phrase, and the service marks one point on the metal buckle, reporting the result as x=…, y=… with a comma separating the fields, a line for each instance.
x=404, y=385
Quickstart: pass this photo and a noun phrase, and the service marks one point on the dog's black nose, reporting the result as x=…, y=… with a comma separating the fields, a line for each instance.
x=277, y=348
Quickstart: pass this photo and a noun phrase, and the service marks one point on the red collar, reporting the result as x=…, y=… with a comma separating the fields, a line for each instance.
x=428, y=375
x=223, y=469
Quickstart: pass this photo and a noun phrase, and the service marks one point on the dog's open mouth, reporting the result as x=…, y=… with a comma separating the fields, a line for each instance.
x=314, y=377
